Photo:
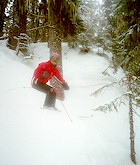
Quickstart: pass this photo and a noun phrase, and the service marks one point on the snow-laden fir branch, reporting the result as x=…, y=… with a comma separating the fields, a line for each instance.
x=97, y=92
x=113, y=104
x=136, y=113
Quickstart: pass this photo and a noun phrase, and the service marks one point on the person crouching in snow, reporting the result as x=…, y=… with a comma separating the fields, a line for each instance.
x=42, y=74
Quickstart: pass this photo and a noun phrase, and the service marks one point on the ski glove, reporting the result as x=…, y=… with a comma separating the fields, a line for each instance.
x=66, y=87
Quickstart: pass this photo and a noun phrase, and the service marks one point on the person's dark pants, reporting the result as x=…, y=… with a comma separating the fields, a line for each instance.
x=48, y=90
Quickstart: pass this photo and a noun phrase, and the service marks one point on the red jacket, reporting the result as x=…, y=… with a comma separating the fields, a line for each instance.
x=47, y=67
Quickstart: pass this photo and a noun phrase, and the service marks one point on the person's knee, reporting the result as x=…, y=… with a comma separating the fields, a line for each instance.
x=33, y=86
x=52, y=91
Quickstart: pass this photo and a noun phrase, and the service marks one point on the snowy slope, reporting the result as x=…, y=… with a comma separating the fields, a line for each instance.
x=32, y=136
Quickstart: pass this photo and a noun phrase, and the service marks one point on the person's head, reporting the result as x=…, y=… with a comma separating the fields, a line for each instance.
x=54, y=58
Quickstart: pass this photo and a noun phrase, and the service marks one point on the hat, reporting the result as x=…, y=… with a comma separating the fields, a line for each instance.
x=54, y=58
x=55, y=55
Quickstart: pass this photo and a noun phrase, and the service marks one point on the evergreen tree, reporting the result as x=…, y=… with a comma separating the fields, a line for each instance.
x=63, y=21
x=20, y=8
x=33, y=20
x=124, y=34
x=19, y=13
x=3, y=4
x=88, y=13
x=127, y=39
x=43, y=9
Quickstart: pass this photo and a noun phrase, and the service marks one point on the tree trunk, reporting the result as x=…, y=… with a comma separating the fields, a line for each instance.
x=44, y=37
x=33, y=5
x=55, y=37
x=131, y=121
x=54, y=32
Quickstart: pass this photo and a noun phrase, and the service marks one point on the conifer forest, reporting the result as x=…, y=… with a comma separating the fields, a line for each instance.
x=113, y=26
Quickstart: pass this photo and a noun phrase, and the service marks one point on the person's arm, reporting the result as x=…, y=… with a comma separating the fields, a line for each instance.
x=38, y=70
x=60, y=78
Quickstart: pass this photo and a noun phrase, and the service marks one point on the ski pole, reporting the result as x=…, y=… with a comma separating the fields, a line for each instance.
x=66, y=110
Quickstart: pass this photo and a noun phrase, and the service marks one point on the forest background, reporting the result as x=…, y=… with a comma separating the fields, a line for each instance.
x=113, y=26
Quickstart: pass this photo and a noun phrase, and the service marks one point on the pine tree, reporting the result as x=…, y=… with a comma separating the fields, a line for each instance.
x=127, y=40
x=43, y=10
x=3, y=4
x=34, y=17
x=63, y=21
x=19, y=13
x=124, y=34
x=88, y=13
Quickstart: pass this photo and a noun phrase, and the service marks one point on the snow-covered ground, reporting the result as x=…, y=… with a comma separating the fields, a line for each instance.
x=33, y=136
